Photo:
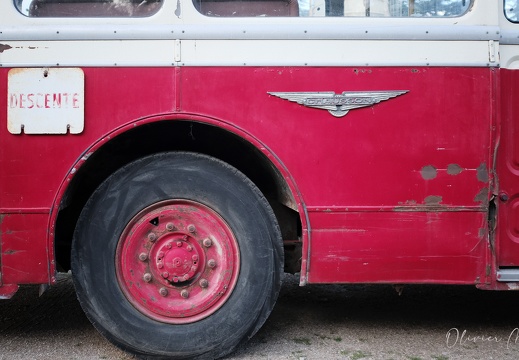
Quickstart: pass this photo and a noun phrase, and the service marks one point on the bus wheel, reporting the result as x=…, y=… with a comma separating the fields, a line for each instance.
x=177, y=255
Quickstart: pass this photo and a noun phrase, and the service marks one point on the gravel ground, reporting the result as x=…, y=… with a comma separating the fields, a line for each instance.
x=312, y=322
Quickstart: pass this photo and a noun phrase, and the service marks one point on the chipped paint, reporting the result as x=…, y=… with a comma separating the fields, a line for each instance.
x=482, y=173
x=4, y=47
x=86, y=156
x=433, y=200
x=482, y=196
x=454, y=169
x=429, y=172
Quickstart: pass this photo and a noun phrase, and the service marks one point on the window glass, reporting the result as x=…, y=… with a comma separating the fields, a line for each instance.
x=363, y=8
x=88, y=8
x=512, y=10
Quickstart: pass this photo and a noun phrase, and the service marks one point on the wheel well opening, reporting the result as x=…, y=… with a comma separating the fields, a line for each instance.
x=179, y=136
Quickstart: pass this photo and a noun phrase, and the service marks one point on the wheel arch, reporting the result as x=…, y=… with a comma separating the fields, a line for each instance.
x=178, y=132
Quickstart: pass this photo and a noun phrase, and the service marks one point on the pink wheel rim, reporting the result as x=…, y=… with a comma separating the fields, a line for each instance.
x=177, y=261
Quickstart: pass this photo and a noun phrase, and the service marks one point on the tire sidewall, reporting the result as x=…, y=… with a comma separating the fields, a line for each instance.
x=177, y=176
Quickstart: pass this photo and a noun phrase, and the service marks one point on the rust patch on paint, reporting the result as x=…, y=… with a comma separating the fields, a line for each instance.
x=433, y=200
x=482, y=196
x=4, y=47
x=482, y=173
x=429, y=172
x=454, y=169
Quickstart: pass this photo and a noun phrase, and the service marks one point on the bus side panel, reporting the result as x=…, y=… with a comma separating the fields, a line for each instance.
x=34, y=167
x=400, y=185
x=429, y=147
x=508, y=171
x=24, y=248
x=409, y=247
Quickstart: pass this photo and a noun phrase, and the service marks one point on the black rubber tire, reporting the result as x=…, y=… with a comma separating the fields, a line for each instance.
x=195, y=177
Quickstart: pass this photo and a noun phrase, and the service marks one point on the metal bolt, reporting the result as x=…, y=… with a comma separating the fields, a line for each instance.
x=168, y=245
x=152, y=237
x=189, y=248
x=169, y=227
x=191, y=228
x=207, y=242
x=203, y=283
x=147, y=277
x=184, y=293
x=211, y=263
x=165, y=274
x=143, y=256
x=179, y=243
x=160, y=265
x=503, y=197
x=163, y=291
x=194, y=257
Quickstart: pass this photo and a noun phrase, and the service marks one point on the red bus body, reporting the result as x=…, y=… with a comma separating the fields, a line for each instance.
x=408, y=193
x=421, y=188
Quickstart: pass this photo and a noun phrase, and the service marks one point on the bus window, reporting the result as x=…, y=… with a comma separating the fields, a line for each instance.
x=88, y=8
x=364, y=8
x=247, y=8
x=512, y=10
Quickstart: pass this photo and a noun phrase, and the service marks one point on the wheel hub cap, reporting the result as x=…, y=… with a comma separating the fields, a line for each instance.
x=177, y=261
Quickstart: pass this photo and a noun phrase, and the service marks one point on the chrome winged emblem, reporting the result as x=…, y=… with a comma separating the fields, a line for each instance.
x=338, y=104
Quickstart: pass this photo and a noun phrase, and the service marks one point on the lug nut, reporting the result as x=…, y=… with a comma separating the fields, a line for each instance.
x=207, y=242
x=189, y=248
x=168, y=245
x=163, y=291
x=211, y=263
x=194, y=257
x=184, y=293
x=165, y=274
x=160, y=265
x=179, y=244
x=152, y=237
x=203, y=283
x=143, y=256
x=191, y=228
x=147, y=277
x=169, y=227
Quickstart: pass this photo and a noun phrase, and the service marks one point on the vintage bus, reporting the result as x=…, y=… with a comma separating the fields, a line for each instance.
x=179, y=156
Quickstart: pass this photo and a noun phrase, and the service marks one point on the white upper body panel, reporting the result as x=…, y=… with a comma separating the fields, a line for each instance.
x=177, y=34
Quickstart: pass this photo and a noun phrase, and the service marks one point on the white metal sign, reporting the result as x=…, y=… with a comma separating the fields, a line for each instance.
x=46, y=101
